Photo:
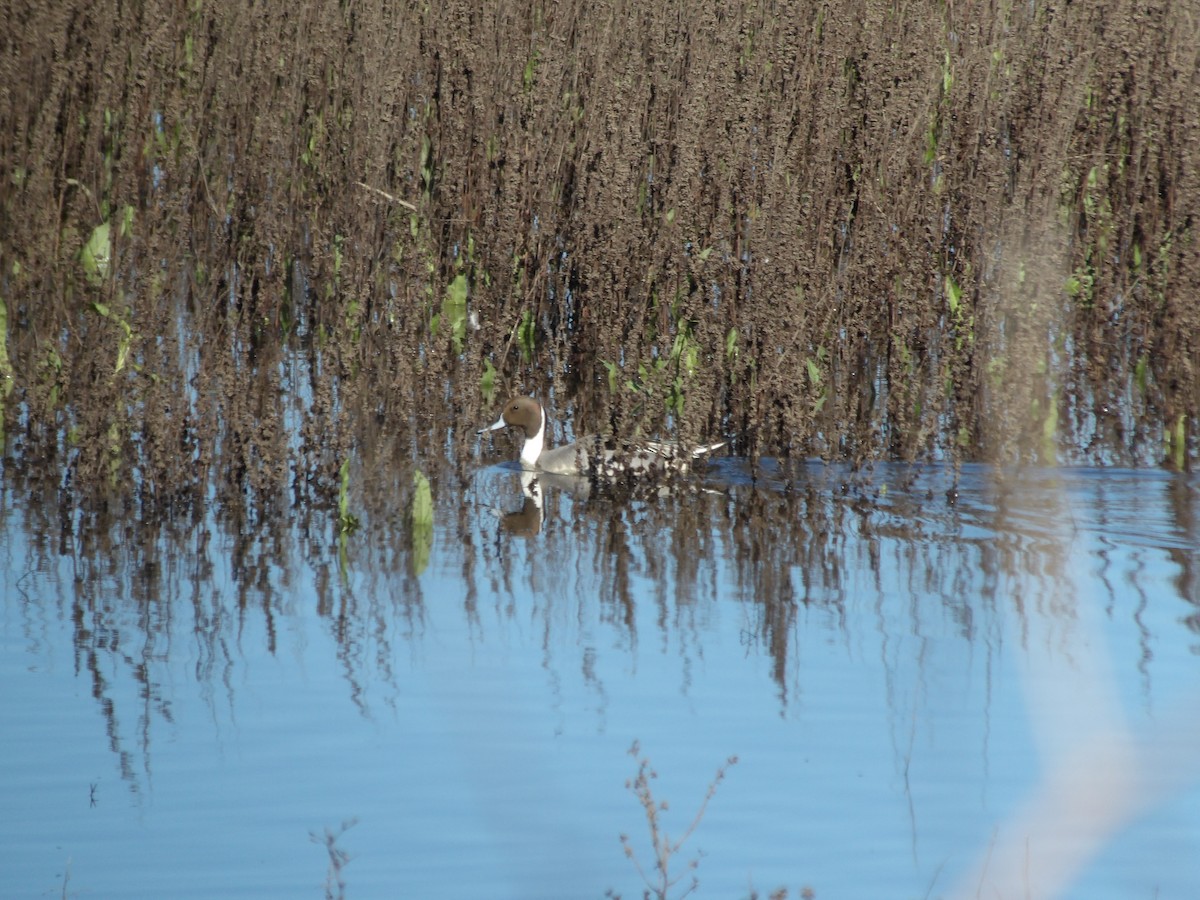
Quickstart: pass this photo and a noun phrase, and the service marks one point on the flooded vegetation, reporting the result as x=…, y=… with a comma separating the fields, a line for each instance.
x=239, y=239
x=265, y=270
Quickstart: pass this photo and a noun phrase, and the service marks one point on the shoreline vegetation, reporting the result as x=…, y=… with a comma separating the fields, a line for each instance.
x=240, y=245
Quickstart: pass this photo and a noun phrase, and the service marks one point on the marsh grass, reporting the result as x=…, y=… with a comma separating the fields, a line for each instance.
x=925, y=192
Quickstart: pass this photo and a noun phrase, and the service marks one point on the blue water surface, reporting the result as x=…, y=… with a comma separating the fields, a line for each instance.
x=903, y=664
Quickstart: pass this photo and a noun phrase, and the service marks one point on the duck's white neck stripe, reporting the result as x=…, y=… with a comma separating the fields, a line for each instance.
x=532, y=448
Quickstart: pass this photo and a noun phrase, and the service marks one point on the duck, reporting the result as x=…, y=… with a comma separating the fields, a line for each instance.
x=589, y=455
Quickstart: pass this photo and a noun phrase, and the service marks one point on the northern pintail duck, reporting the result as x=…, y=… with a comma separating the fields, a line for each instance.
x=588, y=455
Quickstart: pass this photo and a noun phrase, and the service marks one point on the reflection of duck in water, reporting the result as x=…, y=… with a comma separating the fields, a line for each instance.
x=589, y=456
x=528, y=520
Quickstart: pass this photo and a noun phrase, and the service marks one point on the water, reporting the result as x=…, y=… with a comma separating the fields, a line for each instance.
x=904, y=666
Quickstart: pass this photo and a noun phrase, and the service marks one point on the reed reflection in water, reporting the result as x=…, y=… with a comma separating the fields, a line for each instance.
x=901, y=662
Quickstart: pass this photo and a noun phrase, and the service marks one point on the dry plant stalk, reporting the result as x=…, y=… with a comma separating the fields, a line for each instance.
x=335, y=882
x=660, y=882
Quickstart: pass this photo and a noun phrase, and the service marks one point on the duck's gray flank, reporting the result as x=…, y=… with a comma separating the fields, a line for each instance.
x=589, y=455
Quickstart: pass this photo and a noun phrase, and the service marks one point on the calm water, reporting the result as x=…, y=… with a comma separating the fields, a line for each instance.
x=933, y=689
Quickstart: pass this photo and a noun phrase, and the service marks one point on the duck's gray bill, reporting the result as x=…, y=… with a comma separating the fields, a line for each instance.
x=495, y=427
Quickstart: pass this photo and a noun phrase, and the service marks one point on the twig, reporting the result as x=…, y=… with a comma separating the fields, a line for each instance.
x=386, y=196
x=664, y=848
x=335, y=883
